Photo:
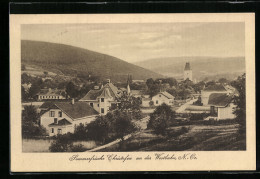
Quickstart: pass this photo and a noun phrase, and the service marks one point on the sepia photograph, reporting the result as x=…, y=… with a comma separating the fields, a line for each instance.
x=174, y=86
x=133, y=87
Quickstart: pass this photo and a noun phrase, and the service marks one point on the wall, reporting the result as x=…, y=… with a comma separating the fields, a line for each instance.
x=46, y=119
x=226, y=112
x=187, y=74
x=161, y=99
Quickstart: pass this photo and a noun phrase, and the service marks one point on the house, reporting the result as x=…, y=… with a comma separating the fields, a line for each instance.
x=221, y=106
x=210, y=90
x=104, y=99
x=163, y=97
x=51, y=94
x=63, y=117
x=146, y=101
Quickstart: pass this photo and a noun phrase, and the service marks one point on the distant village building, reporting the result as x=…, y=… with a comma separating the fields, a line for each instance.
x=187, y=72
x=64, y=117
x=221, y=106
x=104, y=99
x=163, y=97
x=210, y=90
x=51, y=94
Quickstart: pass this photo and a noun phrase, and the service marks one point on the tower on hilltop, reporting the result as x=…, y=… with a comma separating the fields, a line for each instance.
x=187, y=72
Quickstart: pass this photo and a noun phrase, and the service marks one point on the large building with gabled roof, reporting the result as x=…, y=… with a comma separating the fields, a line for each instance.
x=63, y=117
x=104, y=99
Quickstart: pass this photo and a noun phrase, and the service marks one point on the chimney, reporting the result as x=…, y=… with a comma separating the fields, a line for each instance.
x=72, y=101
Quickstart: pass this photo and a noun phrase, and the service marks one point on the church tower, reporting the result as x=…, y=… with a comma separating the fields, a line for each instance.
x=128, y=90
x=187, y=72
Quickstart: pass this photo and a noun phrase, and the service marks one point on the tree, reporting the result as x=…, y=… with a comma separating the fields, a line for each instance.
x=63, y=143
x=131, y=105
x=171, y=81
x=240, y=101
x=80, y=132
x=223, y=80
x=160, y=119
x=30, y=123
x=123, y=124
x=24, y=94
x=45, y=73
x=71, y=90
x=23, y=67
x=99, y=128
x=35, y=88
x=149, y=82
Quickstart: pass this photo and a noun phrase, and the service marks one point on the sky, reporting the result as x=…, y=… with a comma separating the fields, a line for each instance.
x=138, y=42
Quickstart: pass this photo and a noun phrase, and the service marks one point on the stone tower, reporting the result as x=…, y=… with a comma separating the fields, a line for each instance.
x=187, y=72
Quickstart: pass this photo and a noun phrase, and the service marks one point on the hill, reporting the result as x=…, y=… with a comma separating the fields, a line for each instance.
x=202, y=67
x=69, y=60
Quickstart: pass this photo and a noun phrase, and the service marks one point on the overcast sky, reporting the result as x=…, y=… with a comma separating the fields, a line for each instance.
x=135, y=42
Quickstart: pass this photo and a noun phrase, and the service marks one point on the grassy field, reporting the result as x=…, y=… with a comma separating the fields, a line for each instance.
x=194, y=137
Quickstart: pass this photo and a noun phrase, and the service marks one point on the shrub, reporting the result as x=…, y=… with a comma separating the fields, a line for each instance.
x=77, y=148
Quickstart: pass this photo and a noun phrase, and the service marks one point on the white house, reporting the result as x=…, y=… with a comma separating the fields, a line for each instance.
x=163, y=97
x=104, y=99
x=221, y=106
x=51, y=94
x=210, y=90
x=63, y=117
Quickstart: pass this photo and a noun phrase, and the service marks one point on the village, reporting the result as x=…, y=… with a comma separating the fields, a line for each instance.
x=111, y=116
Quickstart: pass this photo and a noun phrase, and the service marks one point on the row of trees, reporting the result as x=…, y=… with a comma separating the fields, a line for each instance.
x=31, y=124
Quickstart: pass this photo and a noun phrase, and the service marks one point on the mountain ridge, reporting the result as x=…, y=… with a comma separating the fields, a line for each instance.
x=69, y=59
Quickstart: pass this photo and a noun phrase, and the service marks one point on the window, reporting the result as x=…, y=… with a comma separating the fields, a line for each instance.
x=97, y=105
x=52, y=113
x=91, y=104
x=156, y=101
x=60, y=114
x=102, y=111
x=59, y=131
x=52, y=130
x=159, y=95
x=55, y=120
x=102, y=99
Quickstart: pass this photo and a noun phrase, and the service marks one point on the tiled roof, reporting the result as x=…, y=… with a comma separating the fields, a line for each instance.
x=62, y=122
x=219, y=99
x=47, y=105
x=166, y=94
x=91, y=95
x=215, y=88
x=105, y=93
x=51, y=92
x=76, y=110
x=94, y=94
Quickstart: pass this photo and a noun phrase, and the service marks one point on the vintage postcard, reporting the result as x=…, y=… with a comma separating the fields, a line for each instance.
x=132, y=92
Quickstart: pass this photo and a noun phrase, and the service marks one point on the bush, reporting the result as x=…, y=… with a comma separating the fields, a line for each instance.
x=63, y=143
x=199, y=116
x=161, y=118
x=77, y=148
